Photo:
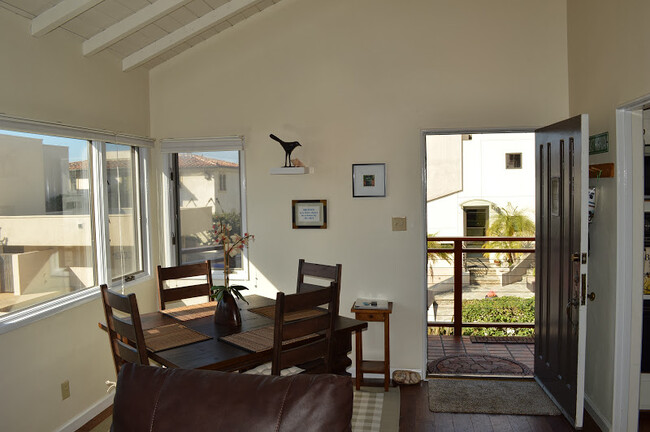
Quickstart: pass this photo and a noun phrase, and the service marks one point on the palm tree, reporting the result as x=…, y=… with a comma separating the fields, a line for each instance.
x=509, y=222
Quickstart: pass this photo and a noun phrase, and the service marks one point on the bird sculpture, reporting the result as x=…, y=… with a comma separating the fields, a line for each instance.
x=288, y=148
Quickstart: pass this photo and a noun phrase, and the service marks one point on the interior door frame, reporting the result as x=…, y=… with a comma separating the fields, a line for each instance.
x=423, y=229
x=629, y=264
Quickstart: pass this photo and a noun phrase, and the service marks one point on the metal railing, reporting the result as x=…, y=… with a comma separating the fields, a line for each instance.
x=458, y=250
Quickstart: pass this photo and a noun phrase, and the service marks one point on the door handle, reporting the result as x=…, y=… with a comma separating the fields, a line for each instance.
x=592, y=296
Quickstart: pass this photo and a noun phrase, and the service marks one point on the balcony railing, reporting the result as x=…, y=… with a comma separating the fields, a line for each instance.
x=457, y=247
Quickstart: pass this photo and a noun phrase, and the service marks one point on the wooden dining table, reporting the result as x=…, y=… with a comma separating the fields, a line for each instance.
x=217, y=354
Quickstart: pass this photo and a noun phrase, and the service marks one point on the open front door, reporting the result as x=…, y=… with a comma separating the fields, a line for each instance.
x=561, y=262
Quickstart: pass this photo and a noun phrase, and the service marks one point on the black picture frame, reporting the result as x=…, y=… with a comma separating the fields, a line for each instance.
x=369, y=180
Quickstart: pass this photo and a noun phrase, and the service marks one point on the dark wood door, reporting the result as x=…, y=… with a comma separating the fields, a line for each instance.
x=561, y=263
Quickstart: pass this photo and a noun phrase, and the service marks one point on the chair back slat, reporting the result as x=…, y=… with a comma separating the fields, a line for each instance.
x=328, y=274
x=127, y=353
x=318, y=352
x=124, y=328
x=320, y=270
x=180, y=273
x=304, y=353
x=124, y=334
x=309, y=299
x=304, y=327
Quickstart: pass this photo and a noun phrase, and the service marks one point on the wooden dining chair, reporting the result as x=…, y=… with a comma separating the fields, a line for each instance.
x=179, y=273
x=314, y=354
x=124, y=332
x=329, y=274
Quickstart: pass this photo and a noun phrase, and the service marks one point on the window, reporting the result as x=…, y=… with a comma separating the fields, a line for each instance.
x=513, y=160
x=222, y=182
x=201, y=170
x=54, y=212
x=123, y=210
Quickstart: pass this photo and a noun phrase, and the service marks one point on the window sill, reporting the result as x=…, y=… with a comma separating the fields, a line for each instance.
x=35, y=313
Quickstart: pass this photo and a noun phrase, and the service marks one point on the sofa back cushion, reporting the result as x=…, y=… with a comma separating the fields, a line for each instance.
x=149, y=398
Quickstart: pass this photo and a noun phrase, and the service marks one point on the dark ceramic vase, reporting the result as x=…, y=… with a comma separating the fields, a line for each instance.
x=227, y=311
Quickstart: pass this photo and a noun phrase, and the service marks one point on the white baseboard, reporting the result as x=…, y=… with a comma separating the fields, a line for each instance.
x=353, y=372
x=598, y=417
x=89, y=414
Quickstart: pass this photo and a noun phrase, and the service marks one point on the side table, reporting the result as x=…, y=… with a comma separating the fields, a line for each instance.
x=373, y=366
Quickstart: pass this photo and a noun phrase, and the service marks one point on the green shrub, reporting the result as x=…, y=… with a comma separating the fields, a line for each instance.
x=497, y=310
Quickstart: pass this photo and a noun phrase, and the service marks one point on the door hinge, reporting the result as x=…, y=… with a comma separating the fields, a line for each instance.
x=173, y=239
x=171, y=175
x=583, y=289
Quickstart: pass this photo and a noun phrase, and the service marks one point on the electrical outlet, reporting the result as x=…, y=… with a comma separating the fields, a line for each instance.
x=65, y=390
x=399, y=224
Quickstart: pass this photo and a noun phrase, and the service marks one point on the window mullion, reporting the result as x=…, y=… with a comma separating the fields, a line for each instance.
x=100, y=211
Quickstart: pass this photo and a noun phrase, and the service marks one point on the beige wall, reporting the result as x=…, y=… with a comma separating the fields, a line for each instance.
x=609, y=65
x=48, y=79
x=356, y=82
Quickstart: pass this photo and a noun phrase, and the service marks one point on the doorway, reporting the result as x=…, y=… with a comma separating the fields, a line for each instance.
x=477, y=183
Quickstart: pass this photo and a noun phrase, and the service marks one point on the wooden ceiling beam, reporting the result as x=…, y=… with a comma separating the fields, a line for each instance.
x=184, y=33
x=60, y=14
x=130, y=25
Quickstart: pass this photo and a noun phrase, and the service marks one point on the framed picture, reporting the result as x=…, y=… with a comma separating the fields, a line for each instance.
x=369, y=180
x=309, y=214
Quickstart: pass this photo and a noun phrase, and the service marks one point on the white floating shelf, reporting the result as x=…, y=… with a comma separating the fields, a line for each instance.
x=290, y=170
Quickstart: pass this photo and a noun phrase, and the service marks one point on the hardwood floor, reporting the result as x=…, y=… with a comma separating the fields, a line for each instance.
x=416, y=417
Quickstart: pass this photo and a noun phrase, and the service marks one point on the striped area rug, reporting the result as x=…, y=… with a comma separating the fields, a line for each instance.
x=366, y=411
x=375, y=410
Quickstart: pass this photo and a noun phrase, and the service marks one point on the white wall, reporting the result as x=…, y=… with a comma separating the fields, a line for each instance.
x=48, y=79
x=356, y=82
x=609, y=65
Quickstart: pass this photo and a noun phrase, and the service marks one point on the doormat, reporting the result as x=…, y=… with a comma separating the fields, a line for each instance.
x=374, y=410
x=503, y=339
x=477, y=364
x=483, y=396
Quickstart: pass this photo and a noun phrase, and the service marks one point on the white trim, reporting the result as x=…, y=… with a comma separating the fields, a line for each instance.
x=424, y=245
x=185, y=145
x=57, y=129
x=353, y=373
x=629, y=265
x=92, y=412
x=99, y=206
x=38, y=312
x=60, y=14
x=597, y=416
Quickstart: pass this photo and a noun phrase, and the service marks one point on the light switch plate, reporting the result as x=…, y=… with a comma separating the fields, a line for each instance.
x=399, y=223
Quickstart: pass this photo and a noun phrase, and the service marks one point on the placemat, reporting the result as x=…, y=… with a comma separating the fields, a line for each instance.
x=259, y=339
x=186, y=313
x=269, y=312
x=171, y=336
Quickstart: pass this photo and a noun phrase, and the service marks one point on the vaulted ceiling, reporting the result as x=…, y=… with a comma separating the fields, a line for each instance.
x=143, y=33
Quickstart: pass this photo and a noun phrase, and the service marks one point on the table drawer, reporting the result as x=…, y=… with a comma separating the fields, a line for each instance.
x=369, y=316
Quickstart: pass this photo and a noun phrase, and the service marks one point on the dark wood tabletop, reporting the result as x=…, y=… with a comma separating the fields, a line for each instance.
x=218, y=355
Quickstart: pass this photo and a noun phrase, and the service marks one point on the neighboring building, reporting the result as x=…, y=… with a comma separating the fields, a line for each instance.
x=469, y=177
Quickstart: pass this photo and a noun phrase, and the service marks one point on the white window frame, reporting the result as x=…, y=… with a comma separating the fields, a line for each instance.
x=169, y=147
x=99, y=213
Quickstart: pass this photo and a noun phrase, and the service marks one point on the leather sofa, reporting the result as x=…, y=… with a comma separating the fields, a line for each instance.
x=149, y=398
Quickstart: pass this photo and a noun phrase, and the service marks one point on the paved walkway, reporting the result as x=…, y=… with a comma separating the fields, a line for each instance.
x=443, y=346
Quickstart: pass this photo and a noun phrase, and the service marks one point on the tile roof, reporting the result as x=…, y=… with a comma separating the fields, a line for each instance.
x=185, y=160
